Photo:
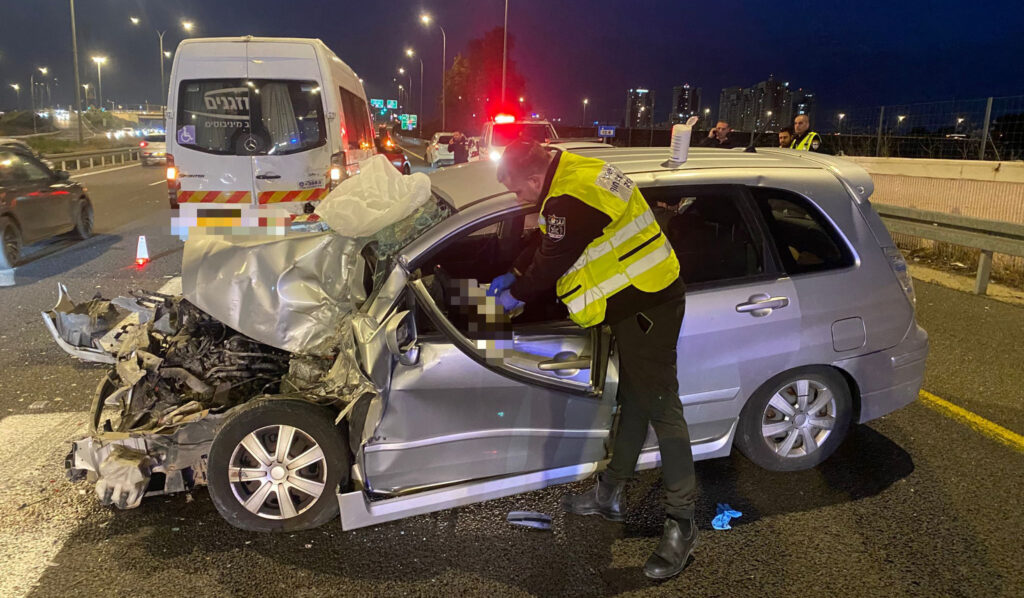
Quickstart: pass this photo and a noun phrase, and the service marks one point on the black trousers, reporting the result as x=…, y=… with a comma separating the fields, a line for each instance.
x=649, y=393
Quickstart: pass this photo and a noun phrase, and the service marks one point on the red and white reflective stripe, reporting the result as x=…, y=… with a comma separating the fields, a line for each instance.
x=214, y=197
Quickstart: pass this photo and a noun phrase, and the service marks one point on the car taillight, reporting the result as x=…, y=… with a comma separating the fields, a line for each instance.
x=899, y=268
x=143, y=144
x=337, y=170
x=173, y=184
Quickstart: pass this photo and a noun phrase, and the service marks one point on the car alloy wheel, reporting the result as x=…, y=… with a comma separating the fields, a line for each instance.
x=277, y=472
x=799, y=418
x=84, y=222
x=10, y=243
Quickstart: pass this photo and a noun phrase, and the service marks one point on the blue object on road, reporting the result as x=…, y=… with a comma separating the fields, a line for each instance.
x=500, y=283
x=724, y=514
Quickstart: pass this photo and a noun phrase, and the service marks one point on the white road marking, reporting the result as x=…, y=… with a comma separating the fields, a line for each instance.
x=78, y=176
x=32, y=474
x=160, y=182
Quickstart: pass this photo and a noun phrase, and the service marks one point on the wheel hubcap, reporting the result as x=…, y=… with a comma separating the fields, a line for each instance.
x=799, y=418
x=277, y=472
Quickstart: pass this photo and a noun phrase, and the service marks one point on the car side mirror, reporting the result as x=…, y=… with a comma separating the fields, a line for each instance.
x=61, y=175
x=400, y=337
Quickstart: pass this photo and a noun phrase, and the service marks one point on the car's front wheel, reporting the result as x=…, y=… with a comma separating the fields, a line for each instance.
x=796, y=420
x=406, y=169
x=83, y=219
x=10, y=243
x=276, y=465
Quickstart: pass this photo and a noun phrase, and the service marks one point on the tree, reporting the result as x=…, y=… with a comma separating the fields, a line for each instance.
x=473, y=83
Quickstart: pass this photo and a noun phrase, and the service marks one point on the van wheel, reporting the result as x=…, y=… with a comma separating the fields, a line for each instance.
x=406, y=169
x=10, y=243
x=277, y=465
x=83, y=219
x=796, y=420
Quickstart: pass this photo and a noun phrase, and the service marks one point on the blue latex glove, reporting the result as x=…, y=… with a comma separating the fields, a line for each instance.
x=500, y=283
x=508, y=302
x=725, y=513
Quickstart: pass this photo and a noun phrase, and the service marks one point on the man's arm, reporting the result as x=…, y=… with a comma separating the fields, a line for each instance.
x=571, y=226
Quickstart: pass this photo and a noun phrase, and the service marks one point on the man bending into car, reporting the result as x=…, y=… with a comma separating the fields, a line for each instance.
x=609, y=262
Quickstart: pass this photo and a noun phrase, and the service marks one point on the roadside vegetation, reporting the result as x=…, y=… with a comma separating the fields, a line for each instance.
x=19, y=122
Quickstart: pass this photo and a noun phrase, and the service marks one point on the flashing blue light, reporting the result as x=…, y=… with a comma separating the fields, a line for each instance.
x=293, y=140
x=501, y=414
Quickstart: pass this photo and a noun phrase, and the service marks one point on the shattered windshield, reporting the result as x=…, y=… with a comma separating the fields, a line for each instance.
x=386, y=243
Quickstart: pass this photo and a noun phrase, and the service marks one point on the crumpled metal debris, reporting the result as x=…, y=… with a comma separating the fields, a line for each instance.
x=83, y=324
x=123, y=477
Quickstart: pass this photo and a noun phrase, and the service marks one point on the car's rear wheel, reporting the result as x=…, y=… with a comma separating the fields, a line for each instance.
x=83, y=219
x=10, y=243
x=276, y=465
x=406, y=169
x=796, y=420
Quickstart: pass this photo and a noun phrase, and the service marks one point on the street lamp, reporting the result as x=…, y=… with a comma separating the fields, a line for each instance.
x=707, y=113
x=585, y=102
x=135, y=20
x=504, y=53
x=426, y=20
x=841, y=116
x=188, y=26
x=408, y=90
x=32, y=94
x=411, y=54
x=17, y=95
x=100, y=61
x=85, y=86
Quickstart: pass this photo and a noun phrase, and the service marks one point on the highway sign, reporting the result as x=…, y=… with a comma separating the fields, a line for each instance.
x=606, y=131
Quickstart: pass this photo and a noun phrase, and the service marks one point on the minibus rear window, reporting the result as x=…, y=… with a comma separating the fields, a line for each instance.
x=250, y=117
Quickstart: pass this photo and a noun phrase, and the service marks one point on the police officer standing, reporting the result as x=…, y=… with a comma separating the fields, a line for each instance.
x=805, y=139
x=603, y=251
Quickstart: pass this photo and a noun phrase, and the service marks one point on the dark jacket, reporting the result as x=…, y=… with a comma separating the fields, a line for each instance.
x=714, y=142
x=547, y=257
x=461, y=149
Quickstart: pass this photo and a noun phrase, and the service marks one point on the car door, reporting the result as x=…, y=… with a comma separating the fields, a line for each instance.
x=742, y=323
x=41, y=209
x=488, y=397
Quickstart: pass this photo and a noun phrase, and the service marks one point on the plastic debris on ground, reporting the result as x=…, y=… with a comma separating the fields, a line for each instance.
x=724, y=514
x=530, y=519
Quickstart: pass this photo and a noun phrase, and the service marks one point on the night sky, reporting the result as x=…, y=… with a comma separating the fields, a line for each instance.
x=852, y=54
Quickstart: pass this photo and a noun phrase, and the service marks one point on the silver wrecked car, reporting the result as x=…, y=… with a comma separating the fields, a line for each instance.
x=416, y=394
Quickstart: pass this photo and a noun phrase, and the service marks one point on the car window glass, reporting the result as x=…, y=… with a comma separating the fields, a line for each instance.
x=707, y=230
x=805, y=240
x=357, y=120
x=444, y=139
x=8, y=167
x=250, y=116
x=23, y=168
x=154, y=138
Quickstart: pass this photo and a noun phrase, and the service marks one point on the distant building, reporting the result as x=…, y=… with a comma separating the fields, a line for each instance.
x=639, y=108
x=773, y=104
x=803, y=103
x=735, y=106
x=685, y=103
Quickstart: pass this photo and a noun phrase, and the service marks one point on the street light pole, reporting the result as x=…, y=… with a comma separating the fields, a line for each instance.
x=32, y=99
x=17, y=95
x=74, y=51
x=99, y=60
x=504, y=54
x=163, y=92
x=444, y=61
x=411, y=54
x=585, y=102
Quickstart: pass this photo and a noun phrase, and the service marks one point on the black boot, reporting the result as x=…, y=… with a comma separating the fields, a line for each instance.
x=677, y=543
x=604, y=499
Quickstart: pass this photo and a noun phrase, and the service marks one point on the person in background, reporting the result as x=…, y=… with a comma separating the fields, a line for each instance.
x=805, y=139
x=719, y=136
x=459, y=146
x=786, y=137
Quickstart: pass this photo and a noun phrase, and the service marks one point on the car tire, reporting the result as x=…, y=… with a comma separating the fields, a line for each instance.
x=406, y=169
x=10, y=243
x=83, y=219
x=265, y=421
x=780, y=431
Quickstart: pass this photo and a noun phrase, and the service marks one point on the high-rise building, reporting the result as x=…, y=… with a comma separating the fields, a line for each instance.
x=685, y=103
x=773, y=104
x=803, y=103
x=639, y=108
x=735, y=106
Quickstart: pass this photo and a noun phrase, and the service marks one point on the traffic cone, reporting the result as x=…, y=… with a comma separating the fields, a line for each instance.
x=142, y=253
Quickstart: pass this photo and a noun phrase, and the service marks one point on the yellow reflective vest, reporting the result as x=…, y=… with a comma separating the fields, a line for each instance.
x=810, y=141
x=632, y=250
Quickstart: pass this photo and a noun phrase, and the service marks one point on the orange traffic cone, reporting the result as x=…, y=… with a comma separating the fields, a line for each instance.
x=142, y=253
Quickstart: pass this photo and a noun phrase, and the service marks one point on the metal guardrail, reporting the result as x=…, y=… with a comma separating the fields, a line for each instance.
x=88, y=159
x=990, y=236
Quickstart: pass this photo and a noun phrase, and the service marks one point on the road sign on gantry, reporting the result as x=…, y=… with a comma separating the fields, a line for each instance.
x=377, y=103
x=393, y=104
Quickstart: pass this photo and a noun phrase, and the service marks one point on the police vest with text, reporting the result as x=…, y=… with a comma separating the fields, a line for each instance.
x=631, y=250
x=810, y=141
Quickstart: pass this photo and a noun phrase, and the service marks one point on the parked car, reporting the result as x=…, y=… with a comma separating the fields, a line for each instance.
x=437, y=150
x=153, y=150
x=36, y=203
x=394, y=154
x=799, y=323
x=258, y=121
x=503, y=129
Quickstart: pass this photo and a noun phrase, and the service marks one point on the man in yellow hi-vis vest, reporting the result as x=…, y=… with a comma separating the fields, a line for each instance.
x=610, y=263
x=805, y=138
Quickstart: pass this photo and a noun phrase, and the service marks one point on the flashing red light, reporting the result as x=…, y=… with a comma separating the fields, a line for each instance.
x=502, y=119
x=143, y=143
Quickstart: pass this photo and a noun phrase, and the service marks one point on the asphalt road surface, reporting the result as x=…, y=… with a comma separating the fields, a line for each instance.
x=914, y=504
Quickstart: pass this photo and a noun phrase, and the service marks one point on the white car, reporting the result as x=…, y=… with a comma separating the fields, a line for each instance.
x=153, y=150
x=437, y=150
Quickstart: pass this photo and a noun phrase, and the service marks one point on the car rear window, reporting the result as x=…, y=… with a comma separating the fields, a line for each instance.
x=506, y=133
x=247, y=117
x=155, y=138
x=805, y=239
x=444, y=139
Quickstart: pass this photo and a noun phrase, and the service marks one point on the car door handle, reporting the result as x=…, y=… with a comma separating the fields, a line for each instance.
x=762, y=304
x=580, y=363
x=264, y=177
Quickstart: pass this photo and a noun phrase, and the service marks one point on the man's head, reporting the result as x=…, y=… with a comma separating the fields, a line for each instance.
x=458, y=134
x=522, y=169
x=801, y=123
x=722, y=130
x=785, y=136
